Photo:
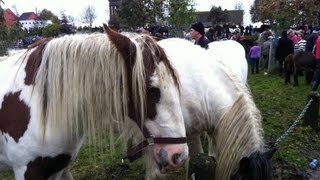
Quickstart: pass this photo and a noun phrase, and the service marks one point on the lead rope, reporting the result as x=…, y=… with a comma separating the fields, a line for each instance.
x=293, y=126
x=123, y=167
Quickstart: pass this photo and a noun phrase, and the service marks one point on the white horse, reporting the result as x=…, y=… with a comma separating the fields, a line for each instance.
x=60, y=90
x=217, y=101
x=232, y=55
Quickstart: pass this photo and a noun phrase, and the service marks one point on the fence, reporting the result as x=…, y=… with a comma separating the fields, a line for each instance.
x=312, y=113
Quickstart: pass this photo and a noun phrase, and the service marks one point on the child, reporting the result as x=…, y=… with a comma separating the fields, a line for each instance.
x=254, y=55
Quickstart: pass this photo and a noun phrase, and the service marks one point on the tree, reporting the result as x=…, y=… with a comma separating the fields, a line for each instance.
x=137, y=13
x=15, y=32
x=65, y=27
x=3, y=29
x=89, y=15
x=48, y=15
x=3, y=32
x=154, y=10
x=216, y=15
x=286, y=13
x=131, y=13
x=51, y=30
x=238, y=5
x=181, y=14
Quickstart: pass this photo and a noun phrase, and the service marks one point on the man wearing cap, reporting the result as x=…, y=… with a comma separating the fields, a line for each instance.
x=197, y=33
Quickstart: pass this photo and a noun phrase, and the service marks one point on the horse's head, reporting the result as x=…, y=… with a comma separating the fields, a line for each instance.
x=153, y=104
x=255, y=167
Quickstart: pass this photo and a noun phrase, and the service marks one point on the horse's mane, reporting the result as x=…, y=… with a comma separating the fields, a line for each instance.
x=238, y=133
x=83, y=85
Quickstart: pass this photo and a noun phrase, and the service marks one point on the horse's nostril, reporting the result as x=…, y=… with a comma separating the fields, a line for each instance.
x=175, y=158
x=163, y=155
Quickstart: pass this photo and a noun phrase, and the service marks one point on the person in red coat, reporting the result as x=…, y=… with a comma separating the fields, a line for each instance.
x=315, y=85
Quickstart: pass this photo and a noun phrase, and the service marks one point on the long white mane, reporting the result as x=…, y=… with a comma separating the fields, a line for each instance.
x=83, y=86
x=239, y=132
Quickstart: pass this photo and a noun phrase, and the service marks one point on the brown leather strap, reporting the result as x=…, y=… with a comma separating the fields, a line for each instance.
x=170, y=140
x=135, y=152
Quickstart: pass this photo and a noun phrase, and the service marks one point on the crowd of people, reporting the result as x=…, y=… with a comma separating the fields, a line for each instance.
x=269, y=52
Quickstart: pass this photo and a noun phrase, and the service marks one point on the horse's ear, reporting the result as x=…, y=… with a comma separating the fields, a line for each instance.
x=121, y=42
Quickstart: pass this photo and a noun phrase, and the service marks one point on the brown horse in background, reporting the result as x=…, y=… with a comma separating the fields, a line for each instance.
x=297, y=62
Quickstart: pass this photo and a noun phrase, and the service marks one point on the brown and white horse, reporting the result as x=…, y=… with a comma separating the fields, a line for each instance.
x=58, y=91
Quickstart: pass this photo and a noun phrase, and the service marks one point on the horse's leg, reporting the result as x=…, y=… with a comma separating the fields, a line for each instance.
x=67, y=174
x=287, y=77
x=19, y=173
x=195, y=147
x=194, y=143
x=211, y=146
x=56, y=176
x=152, y=170
x=295, y=76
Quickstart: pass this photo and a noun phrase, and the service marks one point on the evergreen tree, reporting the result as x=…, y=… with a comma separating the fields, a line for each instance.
x=131, y=13
x=48, y=15
x=181, y=14
x=216, y=15
x=3, y=32
x=138, y=13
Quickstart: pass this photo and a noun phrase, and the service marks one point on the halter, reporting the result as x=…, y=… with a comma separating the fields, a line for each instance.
x=135, y=152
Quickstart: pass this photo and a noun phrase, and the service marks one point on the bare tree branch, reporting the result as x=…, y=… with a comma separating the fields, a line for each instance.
x=89, y=15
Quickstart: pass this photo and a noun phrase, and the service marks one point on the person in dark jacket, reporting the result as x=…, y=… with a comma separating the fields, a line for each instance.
x=197, y=33
x=284, y=48
x=311, y=41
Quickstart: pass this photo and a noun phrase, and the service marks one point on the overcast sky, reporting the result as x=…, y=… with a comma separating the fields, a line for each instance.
x=76, y=7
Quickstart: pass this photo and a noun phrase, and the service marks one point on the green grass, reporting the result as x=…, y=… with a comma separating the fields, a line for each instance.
x=279, y=104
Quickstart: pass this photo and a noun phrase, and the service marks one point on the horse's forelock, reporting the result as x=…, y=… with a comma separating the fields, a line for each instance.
x=158, y=55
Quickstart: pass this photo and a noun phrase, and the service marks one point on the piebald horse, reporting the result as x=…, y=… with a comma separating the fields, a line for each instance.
x=215, y=100
x=61, y=90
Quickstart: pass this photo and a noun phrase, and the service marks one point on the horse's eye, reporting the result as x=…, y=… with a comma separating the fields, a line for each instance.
x=153, y=94
x=153, y=97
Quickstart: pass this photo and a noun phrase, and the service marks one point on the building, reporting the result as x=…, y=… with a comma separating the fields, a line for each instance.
x=232, y=17
x=114, y=20
x=30, y=20
x=9, y=18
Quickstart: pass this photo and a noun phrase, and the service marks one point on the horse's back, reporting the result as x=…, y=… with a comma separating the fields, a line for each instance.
x=232, y=54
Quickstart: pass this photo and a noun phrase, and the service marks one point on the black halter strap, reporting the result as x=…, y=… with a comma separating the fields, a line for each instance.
x=135, y=152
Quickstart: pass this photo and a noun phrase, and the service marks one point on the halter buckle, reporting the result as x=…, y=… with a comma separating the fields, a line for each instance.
x=150, y=140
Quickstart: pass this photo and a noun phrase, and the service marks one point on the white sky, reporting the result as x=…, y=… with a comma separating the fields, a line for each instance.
x=76, y=7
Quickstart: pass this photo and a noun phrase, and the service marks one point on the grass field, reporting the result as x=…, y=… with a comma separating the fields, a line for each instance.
x=279, y=104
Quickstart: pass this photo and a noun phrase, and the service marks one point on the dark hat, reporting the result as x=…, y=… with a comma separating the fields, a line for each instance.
x=198, y=27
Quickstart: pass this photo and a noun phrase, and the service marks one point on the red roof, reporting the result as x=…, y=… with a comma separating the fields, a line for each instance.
x=9, y=17
x=28, y=16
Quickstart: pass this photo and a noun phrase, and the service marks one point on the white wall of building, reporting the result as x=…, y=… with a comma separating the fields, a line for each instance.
x=27, y=24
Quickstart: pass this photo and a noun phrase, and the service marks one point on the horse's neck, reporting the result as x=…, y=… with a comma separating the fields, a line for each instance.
x=8, y=73
x=207, y=93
